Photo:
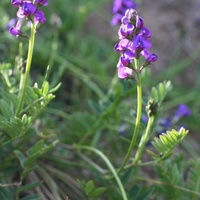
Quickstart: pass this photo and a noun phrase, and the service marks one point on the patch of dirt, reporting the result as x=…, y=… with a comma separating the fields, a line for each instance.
x=175, y=27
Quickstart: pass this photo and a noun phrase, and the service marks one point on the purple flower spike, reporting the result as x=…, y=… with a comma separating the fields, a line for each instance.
x=39, y=17
x=15, y=31
x=134, y=43
x=26, y=10
x=182, y=111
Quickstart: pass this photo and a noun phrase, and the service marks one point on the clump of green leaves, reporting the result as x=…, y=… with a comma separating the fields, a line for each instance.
x=167, y=142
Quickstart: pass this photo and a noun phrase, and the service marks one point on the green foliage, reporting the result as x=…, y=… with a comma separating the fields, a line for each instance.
x=90, y=190
x=38, y=158
x=167, y=142
x=175, y=179
x=158, y=94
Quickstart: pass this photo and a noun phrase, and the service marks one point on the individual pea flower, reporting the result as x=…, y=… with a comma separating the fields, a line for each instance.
x=42, y=2
x=182, y=111
x=26, y=9
x=123, y=71
x=134, y=43
x=119, y=8
x=15, y=31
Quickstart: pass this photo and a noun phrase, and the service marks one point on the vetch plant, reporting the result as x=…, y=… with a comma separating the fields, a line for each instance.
x=135, y=57
x=20, y=105
x=93, y=141
x=29, y=11
x=134, y=44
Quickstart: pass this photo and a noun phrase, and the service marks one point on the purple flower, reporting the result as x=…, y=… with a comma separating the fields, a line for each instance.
x=119, y=8
x=145, y=32
x=182, y=111
x=134, y=42
x=16, y=3
x=122, y=45
x=127, y=57
x=149, y=58
x=124, y=72
x=140, y=43
x=26, y=10
x=126, y=30
x=15, y=31
x=39, y=17
x=42, y=2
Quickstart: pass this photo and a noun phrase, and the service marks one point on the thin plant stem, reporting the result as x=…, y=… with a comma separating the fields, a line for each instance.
x=138, y=117
x=143, y=140
x=110, y=166
x=25, y=76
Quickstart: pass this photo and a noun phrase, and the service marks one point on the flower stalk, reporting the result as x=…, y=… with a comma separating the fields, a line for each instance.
x=25, y=76
x=138, y=117
x=143, y=141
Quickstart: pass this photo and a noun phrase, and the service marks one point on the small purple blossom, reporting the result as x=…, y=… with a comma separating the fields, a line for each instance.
x=15, y=31
x=134, y=41
x=39, y=17
x=27, y=9
x=182, y=111
x=124, y=72
x=42, y=2
x=16, y=3
x=119, y=8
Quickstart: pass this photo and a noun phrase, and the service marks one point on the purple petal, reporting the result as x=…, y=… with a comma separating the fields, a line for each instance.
x=139, y=22
x=127, y=57
x=182, y=111
x=140, y=43
x=39, y=17
x=145, y=32
x=126, y=30
x=42, y=2
x=122, y=45
x=26, y=9
x=16, y=3
x=117, y=4
x=124, y=72
x=152, y=58
x=16, y=30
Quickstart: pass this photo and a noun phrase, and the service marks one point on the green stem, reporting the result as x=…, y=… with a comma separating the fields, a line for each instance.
x=143, y=140
x=25, y=76
x=138, y=117
x=110, y=166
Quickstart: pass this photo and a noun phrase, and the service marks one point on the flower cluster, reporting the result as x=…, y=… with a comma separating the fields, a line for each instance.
x=119, y=8
x=134, y=43
x=28, y=9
